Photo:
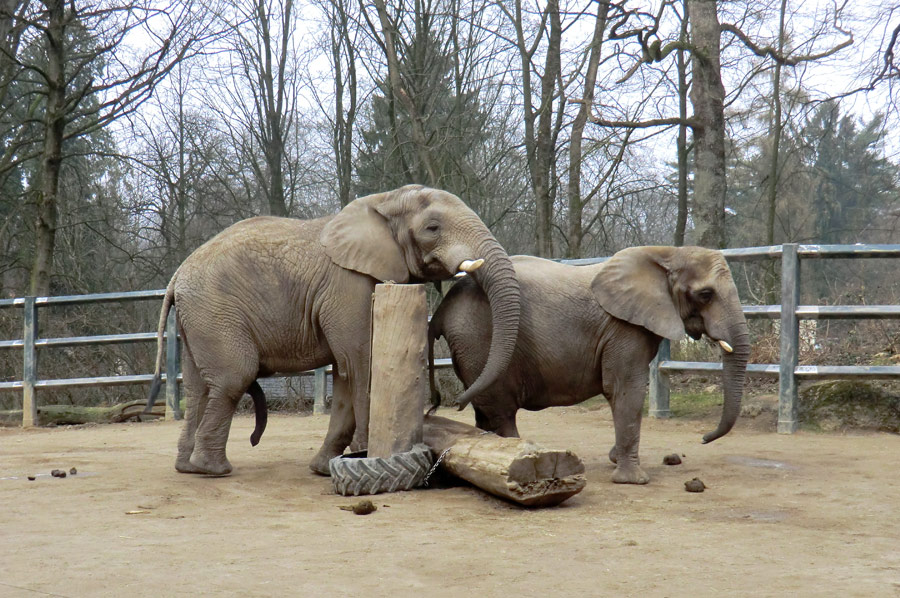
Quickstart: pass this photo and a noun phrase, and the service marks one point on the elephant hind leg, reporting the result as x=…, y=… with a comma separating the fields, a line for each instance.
x=212, y=435
x=196, y=397
x=227, y=384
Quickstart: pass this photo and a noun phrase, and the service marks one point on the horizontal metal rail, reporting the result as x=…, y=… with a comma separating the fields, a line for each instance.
x=826, y=312
x=94, y=298
x=858, y=250
x=86, y=382
x=808, y=372
x=77, y=341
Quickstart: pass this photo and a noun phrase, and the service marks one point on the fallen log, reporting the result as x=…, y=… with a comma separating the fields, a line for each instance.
x=511, y=468
x=58, y=415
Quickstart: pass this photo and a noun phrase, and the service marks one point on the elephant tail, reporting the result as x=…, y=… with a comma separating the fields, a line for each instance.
x=262, y=412
x=168, y=302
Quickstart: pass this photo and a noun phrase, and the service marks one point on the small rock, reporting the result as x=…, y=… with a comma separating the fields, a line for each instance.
x=695, y=485
x=31, y=478
x=363, y=507
x=73, y=471
x=672, y=459
x=58, y=473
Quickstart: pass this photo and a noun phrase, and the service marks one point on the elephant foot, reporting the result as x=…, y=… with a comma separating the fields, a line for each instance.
x=183, y=465
x=630, y=475
x=215, y=467
x=319, y=464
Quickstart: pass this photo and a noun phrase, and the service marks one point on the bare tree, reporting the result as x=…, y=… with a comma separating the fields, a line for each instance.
x=54, y=52
x=681, y=146
x=343, y=64
x=708, y=98
x=398, y=92
x=576, y=202
x=257, y=90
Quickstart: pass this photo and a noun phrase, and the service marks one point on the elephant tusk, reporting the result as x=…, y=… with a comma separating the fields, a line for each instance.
x=726, y=347
x=459, y=275
x=470, y=266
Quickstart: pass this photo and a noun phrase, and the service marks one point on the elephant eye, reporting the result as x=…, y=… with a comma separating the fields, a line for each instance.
x=704, y=296
x=433, y=227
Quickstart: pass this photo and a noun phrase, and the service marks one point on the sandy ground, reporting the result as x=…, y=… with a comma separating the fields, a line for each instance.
x=802, y=515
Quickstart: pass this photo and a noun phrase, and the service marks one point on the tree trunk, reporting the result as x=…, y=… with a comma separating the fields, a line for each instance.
x=543, y=145
x=398, y=92
x=682, y=148
x=54, y=129
x=342, y=138
x=576, y=205
x=511, y=468
x=708, y=97
x=273, y=108
x=775, y=135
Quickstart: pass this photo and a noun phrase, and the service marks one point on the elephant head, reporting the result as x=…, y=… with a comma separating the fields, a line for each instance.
x=417, y=234
x=673, y=290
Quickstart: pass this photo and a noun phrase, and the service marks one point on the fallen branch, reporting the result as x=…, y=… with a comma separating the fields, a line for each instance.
x=57, y=415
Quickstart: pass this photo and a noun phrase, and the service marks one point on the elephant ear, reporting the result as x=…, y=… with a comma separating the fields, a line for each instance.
x=633, y=285
x=359, y=238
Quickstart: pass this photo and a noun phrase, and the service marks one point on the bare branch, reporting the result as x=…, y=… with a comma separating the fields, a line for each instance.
x=778, y=57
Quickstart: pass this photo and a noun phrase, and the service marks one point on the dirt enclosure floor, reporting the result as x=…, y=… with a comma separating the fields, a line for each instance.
x=803, y=515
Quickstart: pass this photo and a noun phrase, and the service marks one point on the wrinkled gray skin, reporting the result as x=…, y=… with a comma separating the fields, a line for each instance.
x=273, y=295
x=587, y=330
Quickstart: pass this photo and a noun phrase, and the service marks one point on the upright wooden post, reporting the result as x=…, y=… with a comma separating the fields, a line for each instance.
x=790, y=340
x=29, y=363
x=319, y=391
x=398, y=384
x=659, y=383
x=173, y=363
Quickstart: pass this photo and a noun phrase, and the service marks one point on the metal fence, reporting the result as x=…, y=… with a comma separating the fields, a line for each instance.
x=787, y=370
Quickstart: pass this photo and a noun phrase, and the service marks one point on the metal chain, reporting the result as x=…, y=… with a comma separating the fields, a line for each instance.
x=435, y=466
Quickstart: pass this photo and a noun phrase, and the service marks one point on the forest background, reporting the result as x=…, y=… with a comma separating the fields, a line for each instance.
x=133, y=130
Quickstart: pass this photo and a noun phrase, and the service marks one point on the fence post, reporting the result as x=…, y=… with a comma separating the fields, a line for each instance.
x=790, y=339
x=319, y=392
x=173, y=394
x=659, y=383
x=29, y=362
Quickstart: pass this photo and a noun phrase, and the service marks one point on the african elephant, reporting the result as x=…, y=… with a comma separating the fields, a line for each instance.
x=284, y=295
x=587, y=330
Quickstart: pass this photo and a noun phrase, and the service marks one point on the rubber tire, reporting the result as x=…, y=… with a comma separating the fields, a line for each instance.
x=356, y=474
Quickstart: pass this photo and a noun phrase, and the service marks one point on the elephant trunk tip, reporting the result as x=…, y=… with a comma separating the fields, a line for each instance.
x=715, y=434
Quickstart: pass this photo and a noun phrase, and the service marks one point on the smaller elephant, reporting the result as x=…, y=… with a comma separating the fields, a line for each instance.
x=589, y=330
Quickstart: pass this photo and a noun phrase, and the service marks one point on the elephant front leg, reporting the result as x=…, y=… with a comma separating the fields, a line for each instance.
x=627, y=421
x=340, y=428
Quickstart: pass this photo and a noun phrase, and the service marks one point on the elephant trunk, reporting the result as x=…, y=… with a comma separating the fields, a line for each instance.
x=734, y=372
x=497, y=278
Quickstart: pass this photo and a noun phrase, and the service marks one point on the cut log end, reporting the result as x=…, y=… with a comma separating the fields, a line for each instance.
x=511, y=468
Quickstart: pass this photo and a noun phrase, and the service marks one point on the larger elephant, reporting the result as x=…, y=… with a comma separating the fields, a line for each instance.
x=284, y=295
x=587, y=330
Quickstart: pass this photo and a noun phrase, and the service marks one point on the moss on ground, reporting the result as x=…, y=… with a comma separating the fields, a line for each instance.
x=849, y=405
